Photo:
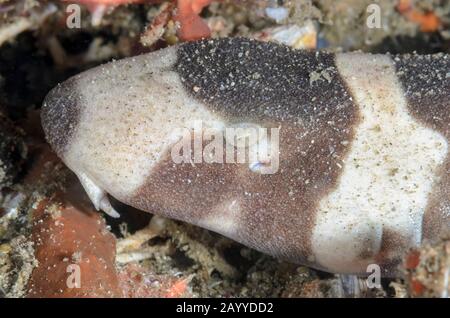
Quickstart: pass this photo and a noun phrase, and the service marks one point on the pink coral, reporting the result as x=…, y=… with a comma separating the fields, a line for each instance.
x=191, y=25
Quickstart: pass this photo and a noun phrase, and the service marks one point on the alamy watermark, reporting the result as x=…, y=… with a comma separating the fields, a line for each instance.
x=74, y=278
x=73, y=19
x=243, y=143
x=373, y=20
x=374, y=278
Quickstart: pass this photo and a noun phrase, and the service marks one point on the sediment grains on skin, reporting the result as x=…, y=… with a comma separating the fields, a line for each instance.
x=426, y=81
x=248, y=79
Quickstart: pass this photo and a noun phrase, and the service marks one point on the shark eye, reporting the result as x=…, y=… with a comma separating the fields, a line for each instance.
x=256, y=144
x=258, y=166
x=262, y=157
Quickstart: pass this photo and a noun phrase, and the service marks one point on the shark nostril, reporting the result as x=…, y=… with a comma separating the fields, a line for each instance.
x=60, y=115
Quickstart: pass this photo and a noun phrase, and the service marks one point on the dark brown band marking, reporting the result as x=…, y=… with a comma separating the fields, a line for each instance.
x=299, y=91
x=60, y=114
x=251, y=80
x=426, y=81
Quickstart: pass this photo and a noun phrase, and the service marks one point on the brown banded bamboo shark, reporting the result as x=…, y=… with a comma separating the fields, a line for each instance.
x=363, y=157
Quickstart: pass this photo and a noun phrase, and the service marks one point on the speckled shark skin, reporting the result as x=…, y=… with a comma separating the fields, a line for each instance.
x=363, y=146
